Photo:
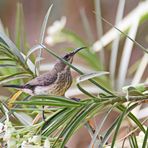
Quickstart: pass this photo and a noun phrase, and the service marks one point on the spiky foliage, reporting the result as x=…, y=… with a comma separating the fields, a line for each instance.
x=66, y=116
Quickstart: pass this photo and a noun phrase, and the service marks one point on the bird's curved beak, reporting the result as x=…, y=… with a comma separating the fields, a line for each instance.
x=77, y=50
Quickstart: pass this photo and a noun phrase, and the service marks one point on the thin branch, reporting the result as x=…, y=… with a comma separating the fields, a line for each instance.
x=133, y=131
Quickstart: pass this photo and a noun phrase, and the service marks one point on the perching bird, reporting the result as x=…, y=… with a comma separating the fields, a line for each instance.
x=54, y=82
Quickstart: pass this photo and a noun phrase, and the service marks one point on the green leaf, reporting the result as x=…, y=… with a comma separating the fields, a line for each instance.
x=143, y=48
x=33, y=49
x=108, y=133
x=116, y=122
x=99, y=126
x=6, y=65
x=42, y=34
x=118, y=127
x=17, y=56
x=47, y=103
x=15, y=76
x=12, y=48
x=80, y=117
x=145, y=141
x=56, y=99
x=53, y=119
x=133, y=141
x=43, y=28
x=56, y=121
x=85, y=92
x=69, y=130
x=6, y=59
x=19, y=25
x=132, y=117
x=88, y=76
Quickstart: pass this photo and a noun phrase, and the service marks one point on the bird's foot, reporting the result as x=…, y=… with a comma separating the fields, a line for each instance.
x=76, y=99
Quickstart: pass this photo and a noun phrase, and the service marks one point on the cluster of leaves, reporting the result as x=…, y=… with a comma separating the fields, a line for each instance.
x=65, y=116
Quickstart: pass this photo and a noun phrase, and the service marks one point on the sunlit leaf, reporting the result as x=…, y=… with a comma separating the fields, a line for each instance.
x=145, y=143
x=6, y=65
x=91, y=75
x=14, y=77
x=33, y=49
x=13, y=49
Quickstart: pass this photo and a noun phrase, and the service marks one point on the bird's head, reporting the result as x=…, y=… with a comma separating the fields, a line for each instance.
x=69, y=58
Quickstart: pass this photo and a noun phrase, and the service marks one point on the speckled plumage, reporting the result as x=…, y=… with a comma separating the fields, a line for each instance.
x=58, y=87
x=54, y=82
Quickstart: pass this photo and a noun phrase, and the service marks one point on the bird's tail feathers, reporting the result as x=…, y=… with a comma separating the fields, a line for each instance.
x=14, y=86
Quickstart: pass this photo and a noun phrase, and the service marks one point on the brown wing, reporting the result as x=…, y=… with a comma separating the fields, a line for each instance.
x=42, y=80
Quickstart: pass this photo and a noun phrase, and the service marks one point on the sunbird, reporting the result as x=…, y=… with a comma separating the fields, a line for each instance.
x=54, y=82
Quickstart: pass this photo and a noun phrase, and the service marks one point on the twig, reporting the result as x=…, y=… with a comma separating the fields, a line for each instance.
x=132, y=131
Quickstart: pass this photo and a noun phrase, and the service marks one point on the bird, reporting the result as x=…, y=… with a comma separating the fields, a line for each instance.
x=55, y=82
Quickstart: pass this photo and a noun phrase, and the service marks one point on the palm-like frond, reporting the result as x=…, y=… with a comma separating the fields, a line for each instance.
x=64, y=115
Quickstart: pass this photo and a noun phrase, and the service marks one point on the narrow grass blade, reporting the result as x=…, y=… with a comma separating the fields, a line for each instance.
x=42, y=33
x=115, y=45
x=133, y=141
x=6, y=65
x=30, y=65
x=116, y=122
x=141, y=68
x=85, y=92
x=12, y=47
x=138, y=75
x=47, y=103
x=33, y=49
x=138, y=44
x=127, y=50
x=71, y=127
x=132, y=69
x=85, y=77
x=43, y=28
x=18, y=25
x=6, y=59
x=145, y=141
x=139, y=11
x=108, y=133
x=23, y=118
x=11, y=51
x=57, y=99
x=99, y=126
x=118, y=127
x=56, y=121
x=133, y=118
x=88, y=76
x=14, y=77
x=99, y=26
x=132, y=144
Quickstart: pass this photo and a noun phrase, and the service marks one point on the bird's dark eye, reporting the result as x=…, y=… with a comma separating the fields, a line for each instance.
x=66, y=57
